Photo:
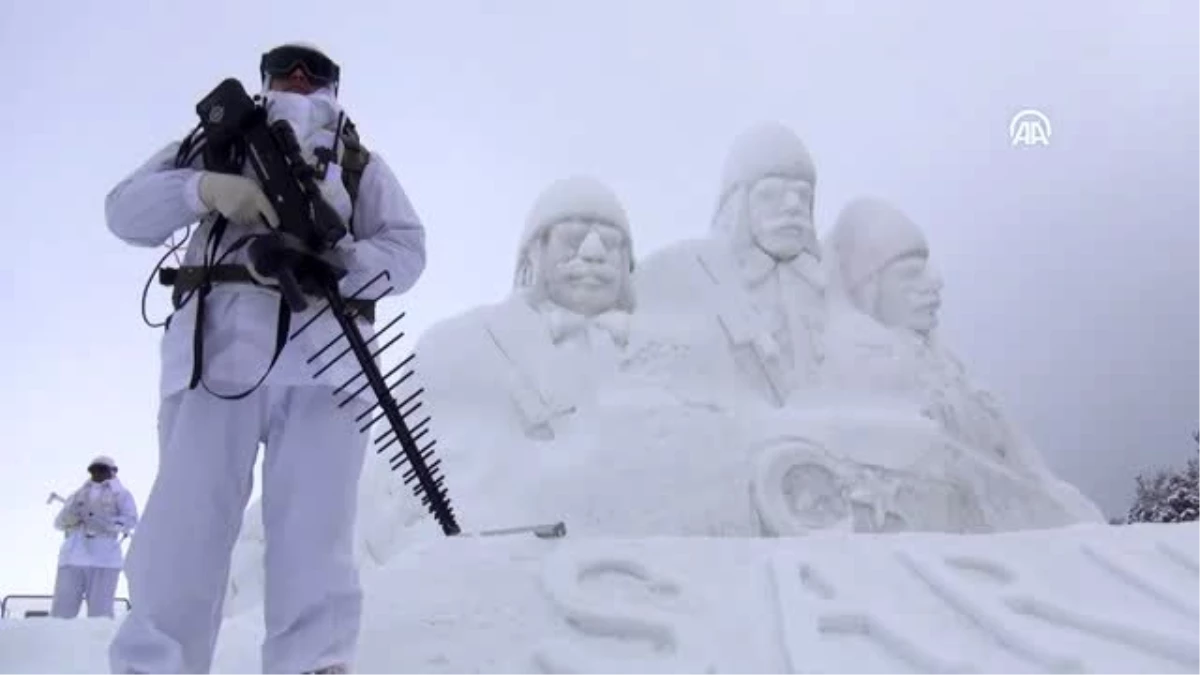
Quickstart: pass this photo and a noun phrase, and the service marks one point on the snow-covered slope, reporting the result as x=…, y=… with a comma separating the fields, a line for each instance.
x=1088, y=598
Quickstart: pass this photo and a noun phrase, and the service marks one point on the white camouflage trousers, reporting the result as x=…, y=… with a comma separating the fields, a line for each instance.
x=178, y=564
x=74, y=583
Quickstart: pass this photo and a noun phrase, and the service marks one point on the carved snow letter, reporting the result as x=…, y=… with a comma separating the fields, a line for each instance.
x=642, y=612
x=817, y=601
x=1027, y=617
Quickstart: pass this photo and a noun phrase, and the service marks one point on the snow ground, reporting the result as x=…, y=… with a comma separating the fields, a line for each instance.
x=1088, y=598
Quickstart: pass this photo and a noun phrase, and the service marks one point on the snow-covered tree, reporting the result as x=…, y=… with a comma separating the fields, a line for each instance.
x=1168, y=496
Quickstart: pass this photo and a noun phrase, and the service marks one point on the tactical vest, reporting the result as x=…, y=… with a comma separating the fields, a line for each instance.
x=197, y=280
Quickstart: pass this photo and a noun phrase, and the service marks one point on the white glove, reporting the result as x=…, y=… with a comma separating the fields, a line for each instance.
x=237, y=198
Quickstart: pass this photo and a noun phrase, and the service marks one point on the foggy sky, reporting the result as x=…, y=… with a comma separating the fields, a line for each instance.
x=1071, y=270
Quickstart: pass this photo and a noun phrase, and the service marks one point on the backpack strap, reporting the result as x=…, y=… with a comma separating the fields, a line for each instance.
x=355, y=158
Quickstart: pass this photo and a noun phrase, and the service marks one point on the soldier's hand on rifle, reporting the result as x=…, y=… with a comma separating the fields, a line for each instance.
x=237, y=198
x=268, y=255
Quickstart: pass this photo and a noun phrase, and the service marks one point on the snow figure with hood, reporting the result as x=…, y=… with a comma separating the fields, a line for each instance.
x=918, y=445
x=209, y=433
x=757, y=280
x=94, y=520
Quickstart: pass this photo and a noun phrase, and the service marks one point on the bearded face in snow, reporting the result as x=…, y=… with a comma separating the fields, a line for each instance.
x=780, y=210
x=768, y=188
x=584, y=265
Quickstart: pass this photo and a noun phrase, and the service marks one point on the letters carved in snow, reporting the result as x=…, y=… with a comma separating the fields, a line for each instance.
x=887, y=602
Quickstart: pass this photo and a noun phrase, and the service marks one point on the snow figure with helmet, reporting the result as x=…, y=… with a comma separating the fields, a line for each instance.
x=884, y=352
x=221, y=343
x=894, y=436
x=757, y=279
x=504, y=381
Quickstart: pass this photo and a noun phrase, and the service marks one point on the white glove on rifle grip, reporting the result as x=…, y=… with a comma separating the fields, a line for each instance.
x=237, y=198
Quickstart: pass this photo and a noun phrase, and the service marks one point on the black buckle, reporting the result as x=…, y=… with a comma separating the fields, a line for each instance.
x=325, y=157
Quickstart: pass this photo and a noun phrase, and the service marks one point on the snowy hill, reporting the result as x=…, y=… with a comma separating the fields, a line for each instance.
x=1088, y=598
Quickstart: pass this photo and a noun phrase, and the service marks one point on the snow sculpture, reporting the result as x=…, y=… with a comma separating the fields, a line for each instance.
x=723, y=324
x=885, y=297
x=884, y=301
x=527, y=362
x=643, y=461
x=757, y=281
x=503, y=380
x=885, y=468
x=801, y=486
x=649, y=605
x=761, y=387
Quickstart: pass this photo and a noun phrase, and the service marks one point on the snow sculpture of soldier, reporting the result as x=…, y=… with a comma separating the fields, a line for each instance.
x=885, y=298
x=753, y=291
x=503, y=381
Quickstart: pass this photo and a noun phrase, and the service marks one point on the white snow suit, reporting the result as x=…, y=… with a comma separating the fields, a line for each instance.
x=89, y=561
x=178, y=563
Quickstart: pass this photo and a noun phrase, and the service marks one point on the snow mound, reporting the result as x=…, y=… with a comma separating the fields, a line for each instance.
x=1086, y=598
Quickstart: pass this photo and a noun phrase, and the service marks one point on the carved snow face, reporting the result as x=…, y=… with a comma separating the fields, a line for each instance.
x=909, y=294
x=585, y=265
x=780, y=212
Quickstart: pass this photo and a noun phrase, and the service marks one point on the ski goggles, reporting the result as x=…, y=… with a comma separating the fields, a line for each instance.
x=281, y=61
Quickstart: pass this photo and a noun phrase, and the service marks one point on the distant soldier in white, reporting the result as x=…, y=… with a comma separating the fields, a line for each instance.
x=95, y=519
x=209, y=438
x=885, y=297
x=758, y=278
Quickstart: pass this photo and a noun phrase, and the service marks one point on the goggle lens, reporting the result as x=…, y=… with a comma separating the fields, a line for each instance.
x=280, y=62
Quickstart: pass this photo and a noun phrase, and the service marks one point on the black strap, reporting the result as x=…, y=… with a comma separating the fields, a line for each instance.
x=282, y=327
x=215, y=234
x=199, y=280
x=204, y=282
x=188, y=279
x=198, y=338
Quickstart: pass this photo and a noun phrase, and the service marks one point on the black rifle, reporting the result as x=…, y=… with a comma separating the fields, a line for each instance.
x=300, y=256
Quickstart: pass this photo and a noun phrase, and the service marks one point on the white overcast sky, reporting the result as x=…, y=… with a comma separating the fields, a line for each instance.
x=1071, y=270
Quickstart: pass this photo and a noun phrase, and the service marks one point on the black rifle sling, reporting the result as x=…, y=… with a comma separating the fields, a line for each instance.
x=214, y=240
x=282, y=326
